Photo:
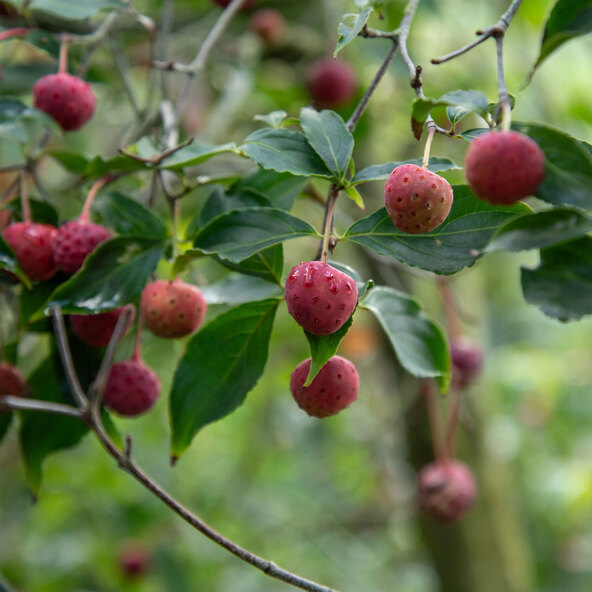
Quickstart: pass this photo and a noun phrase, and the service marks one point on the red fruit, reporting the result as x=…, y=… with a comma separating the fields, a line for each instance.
x=467, y=360
x=416, y=199
x=446, y=490
x=31, y=244
x=97, y=329
x=134, y=561
x=331, y=83
x=74, y=241
x=132, y=388
x=66, y=98
x=244, y=6
x=269, y=24
x=319, y=297
x=172, y=309
x=333, y=389
x=504, y=167
x=11, y=381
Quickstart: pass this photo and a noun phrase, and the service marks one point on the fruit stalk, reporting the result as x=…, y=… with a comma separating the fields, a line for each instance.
x=428, y=146
x=25, y=204
x=96, y=187
x=328, y=224
x=438, y=441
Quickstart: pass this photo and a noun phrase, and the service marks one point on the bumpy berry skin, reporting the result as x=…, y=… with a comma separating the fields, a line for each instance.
x=66, y=98
x=132, y=388
x=319, y=297
x=172, y=309
x=416, y=199
x=11, y=381
x=446, y=490
x=504, y=167
x=74, y=241
x=269, y=24
x=333, y=389
x=244, y=6
x=31, y=243
x=97, y=329
x=331, y=83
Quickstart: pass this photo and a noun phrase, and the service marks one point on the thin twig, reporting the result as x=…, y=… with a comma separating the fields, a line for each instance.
x=438, y=439
x=26, y=404
x=156, y=160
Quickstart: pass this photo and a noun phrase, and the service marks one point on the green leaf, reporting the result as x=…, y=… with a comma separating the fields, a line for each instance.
x=562, y=284
x=273, y=119
x=8, y=263
x=324, y=347
x=266, y=264
x=284, y=151
x=381, y=172
x=211, y=382
x=329, y=137
x=568, y=19
x=112, y=275
x=41, y=211
x=128, y=217
x=43, y=41
x=459, y=103
x=195, y=153
x=348, y=33
x=99, y=167
x=30, y=301
x=280, y=189
x=418, y=341
x=455, y=244
x=355, y=196
x=72, y=9
x=542, y=229
x=5, y=419
x=43, y=433
x=238, y=234
x=239, y=289
x=71, y=161
x=568, y=177
x=23, y=125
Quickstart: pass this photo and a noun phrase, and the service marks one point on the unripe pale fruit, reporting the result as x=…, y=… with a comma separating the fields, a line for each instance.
x=11, y=381
x=504, y=167
x=246, y=4
x=172, y=309
x=132, y=388
x=416, y=199
x=446, y=490
x=319, y=297
x=97, y=329
x=269, y=24
x=331, y=83
x=74, y=241
x=333, y=389
x=31, y=243
x=66, y=98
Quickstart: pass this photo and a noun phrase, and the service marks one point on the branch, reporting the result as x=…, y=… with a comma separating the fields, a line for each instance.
x=156, y=160
x=25, y=404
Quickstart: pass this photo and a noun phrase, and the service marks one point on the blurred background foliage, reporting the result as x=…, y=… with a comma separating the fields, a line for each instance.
x=331, y=500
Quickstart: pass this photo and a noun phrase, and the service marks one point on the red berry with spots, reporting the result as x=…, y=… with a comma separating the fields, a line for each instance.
x=504, y=167
x=333, y=389
x=246, y=4
x=11, y=381
x=66, y=98
x=417, y=200
x=319, y=297
x=132, y=388
x=172, y=309
x=31, y=244
x=331, y=83
x=74, y=241
x=446, y=490
x=97, y=329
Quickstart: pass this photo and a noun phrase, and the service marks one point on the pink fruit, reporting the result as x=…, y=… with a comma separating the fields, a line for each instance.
x=446, y=490
x=333, y=389
x=134, y=561
x=97, y=329
x=132, y=388
x=504, y=167
x=269, y=24
x=416, y=199
x=319, y=297
x=66, y=98
x=331, y=83
x=467, y=360
x=11, y=381
x=244, y=6
x=74, y=241
x=31, y=244
x=172, y=309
